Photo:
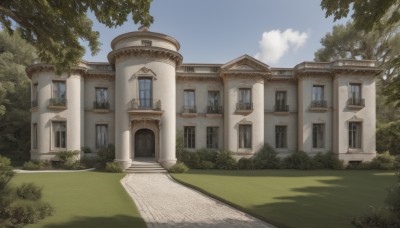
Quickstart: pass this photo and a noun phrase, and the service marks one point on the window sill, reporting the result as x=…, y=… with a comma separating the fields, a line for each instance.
x=214, y=115
x=355, y=106
x=354, y=150
x=101, y=110
x=189, y=114
x=281, y=113
x=243, y=111
x=319, y=109
x=57, y=107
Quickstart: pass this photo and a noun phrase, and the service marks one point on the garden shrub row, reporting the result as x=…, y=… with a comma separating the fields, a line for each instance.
x=267, y=158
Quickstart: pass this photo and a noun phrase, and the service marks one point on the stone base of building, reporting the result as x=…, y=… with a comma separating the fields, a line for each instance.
x=123, y=164
x=356, y=157
x=168, y=163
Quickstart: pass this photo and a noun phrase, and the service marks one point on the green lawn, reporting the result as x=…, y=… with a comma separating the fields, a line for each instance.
x=85, y=199
x=294, y=198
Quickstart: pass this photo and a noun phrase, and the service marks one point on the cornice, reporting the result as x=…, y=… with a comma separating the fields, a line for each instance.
x=245, y=74
x=213, y=77
x=145, y=34
x=41, y=67
x=153, y=52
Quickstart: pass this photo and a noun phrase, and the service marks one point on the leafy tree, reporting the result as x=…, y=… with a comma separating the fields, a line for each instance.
x=366, y=14
x=54, y=27
x=15, y=55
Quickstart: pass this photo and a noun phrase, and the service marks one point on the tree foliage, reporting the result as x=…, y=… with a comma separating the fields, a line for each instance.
x=366, y=14
x=15, y=55
x=54, y=27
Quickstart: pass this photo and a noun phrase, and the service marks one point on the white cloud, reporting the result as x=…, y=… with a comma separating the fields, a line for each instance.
x=274, y=44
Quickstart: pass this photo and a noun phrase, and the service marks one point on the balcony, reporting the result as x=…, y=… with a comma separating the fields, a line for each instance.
x=356, y=103
x=281, y=108
x=319, y=106
x=101, y=106
x=214, y=109
x=58, y=103
x=244, y=107
x=146, y=104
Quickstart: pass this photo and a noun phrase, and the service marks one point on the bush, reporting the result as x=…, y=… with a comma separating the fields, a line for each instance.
x=328, y=161
x=37, y=165
x=245, y=163
x=113, y=167
x=207, y=155
x=376, y=218
x=225, y=160
x=106, y=154
x=207, y=165
x=5, y=163
x=179, y=146
x=27, y=212
x=300, y=160
x=266, y=158
x=86, y=150
x=29, y=191
x=179, y=168
x=69, y=159
x=89, y=162
x=191, y=159
x=384, y=161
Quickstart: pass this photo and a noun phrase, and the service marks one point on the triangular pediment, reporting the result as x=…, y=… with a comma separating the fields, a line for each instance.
x=145, y=72
x=246, y=63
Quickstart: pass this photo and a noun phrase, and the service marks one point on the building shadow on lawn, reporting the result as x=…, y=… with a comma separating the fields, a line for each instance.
x=119, y=221
x=334, y=204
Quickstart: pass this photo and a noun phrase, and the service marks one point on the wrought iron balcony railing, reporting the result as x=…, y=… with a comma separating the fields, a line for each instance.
x=319, y=104
x=58, y=102
x=356, y=102
x=101, y=105
x=145, y=104
x=189, y=109
x=281, y=108
x=214, y=109
x=244, y=106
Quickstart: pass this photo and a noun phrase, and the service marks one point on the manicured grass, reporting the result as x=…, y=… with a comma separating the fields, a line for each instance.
x=85, y=199
x=294, y=198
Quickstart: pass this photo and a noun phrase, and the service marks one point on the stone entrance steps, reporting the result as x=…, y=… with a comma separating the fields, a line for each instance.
x=145, y=166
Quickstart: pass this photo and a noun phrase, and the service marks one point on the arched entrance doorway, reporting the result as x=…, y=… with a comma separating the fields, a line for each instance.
x=144, y=143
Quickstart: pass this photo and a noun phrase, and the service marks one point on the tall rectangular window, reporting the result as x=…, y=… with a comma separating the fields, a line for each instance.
x=212, y=137
x=280, y=101
x=59, y=133
x=318, y=135
x=101, y=98
x=355, y=135
x=101, y=135
x=318, y=93
x=245, y=99
x=245, y=136
x=280, y=136
x=145, y=93
x=355, y=93
x=34, y=136
x=189, y=101
x=59, y=92
x=189, y=137
x=213, y=102
x=35, y=95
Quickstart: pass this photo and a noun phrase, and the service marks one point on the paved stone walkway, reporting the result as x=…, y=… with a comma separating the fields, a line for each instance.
x=163, y=202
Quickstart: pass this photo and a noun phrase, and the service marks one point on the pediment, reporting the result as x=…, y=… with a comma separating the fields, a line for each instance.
x=246, y=63
x=145, y=72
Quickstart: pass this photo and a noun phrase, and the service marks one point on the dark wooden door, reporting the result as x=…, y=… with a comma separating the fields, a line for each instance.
x=144, y=143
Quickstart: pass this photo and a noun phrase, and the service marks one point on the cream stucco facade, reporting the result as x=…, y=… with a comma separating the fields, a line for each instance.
x=144, y=97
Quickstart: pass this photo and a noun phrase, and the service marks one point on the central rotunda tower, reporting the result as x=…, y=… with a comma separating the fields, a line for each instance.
x=145, y=105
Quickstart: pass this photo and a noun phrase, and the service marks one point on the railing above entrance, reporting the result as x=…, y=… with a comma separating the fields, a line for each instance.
x=145, y=104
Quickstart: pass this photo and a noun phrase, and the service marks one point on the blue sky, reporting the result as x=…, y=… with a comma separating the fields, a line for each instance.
x=280, y=33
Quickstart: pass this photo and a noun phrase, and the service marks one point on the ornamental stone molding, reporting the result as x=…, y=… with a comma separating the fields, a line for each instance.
x=151, y=52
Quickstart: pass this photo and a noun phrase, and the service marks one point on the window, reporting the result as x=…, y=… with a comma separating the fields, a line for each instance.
x=213, y=102
x=145, y=93
x=355, y=94
x=34, y=136
x=355, y=132
x=212, y=137
x=318, y=97
x=280, y=137
x=101, y=98
x=59, y=132
x=245, y=136
x=318, y=135
x=245, y=99
x=189, y=137
x=35, y=95
x=59, y=93
x=101, y=135
x=280, y=101
x=189, y=101
x=146, y=43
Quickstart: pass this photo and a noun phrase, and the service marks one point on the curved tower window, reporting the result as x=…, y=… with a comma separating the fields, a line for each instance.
x=145, y=93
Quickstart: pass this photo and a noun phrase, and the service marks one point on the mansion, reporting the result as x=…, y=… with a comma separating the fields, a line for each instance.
x=144, y=98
